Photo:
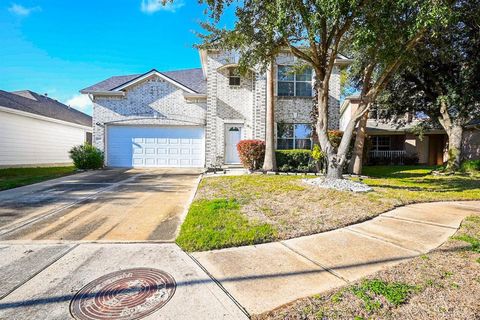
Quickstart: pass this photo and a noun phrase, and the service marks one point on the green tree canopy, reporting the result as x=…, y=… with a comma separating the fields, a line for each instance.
x=443, y=79
x=315, y=31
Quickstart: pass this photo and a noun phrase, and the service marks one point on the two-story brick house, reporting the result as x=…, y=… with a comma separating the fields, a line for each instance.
x=196, y=117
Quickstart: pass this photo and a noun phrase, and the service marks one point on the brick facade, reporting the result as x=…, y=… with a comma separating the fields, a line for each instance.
x=157, y=102
x=152, y=102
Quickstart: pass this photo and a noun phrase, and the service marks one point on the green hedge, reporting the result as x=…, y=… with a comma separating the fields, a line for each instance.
x=294, y=160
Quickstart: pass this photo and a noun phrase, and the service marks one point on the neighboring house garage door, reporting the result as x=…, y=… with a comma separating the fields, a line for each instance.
x=148, y=146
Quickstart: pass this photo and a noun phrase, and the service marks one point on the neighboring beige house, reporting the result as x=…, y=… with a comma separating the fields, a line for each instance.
x=38, y=131
x=196, y=117
x=391, y=143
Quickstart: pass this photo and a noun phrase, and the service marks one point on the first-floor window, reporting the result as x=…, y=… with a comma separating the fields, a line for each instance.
x=294, y=136
x=380, y=143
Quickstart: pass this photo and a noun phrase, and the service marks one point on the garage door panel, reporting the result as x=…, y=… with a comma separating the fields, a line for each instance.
x=135, y=146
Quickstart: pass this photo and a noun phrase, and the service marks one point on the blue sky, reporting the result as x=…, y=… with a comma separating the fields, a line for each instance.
x=61, y=46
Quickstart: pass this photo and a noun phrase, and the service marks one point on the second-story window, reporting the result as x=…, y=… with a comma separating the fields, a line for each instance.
x=294, y=83
x=233, y=77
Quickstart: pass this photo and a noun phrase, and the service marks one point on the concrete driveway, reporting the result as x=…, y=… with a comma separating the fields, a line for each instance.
x=108, y=231
x=108, y=205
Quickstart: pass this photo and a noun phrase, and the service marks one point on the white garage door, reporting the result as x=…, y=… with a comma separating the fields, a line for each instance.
x=135, y=146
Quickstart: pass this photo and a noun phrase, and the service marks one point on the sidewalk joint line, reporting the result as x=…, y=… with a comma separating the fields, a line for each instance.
x=467, y=206
x=329, y=270
x=366, y=235
x=15, y=288
x=218, y=283
x=420, y=222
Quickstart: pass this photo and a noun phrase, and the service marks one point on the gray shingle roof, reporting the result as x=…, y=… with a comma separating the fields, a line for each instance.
x=190, y=78
x=29, y=101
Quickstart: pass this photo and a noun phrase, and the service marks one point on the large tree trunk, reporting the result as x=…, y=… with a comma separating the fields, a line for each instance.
x=336, y=157
x=356, y=163
x=321, y=126
x=270, y=163
x=335, y=167
x=454, y=130
x=455, y=138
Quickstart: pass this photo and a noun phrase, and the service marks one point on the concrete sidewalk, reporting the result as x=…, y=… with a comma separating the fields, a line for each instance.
x=266, y=276
x=39, y=281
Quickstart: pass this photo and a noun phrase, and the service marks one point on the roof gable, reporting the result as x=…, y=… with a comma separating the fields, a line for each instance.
x=147, y=75
x=189, y=80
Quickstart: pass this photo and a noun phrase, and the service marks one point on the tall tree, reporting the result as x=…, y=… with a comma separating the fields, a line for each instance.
x=374, y=48
x=444, y=79
x=270, y=162
x=315, y=32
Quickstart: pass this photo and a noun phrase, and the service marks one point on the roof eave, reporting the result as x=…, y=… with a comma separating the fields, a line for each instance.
x=195, y=96
x=103, y=93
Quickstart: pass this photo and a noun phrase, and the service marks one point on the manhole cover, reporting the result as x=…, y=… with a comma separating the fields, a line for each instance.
x=127, y=294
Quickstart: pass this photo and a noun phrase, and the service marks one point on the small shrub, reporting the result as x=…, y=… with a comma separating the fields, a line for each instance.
x=318, y=158
x=335, y=137
x=470, y=166
x=252, y=153
x=87, y=157
x=294, y=160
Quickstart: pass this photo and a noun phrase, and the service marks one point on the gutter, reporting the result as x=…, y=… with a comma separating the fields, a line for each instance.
x=194, y=96
x=103, y=93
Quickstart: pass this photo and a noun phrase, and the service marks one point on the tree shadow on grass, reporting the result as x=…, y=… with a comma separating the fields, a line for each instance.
x=453, y=184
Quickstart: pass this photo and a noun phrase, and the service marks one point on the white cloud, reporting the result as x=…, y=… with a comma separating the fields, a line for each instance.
x=80, y=102
x=20, y=10
x=152, y=6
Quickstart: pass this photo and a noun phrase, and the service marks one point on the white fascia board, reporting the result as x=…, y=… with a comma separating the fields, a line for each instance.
x=36, y=116
x=189, y=96
x=104, y=93
x=203, y=61
x=148, y=74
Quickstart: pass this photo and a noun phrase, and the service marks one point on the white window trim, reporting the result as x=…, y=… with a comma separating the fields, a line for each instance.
x=294, y=82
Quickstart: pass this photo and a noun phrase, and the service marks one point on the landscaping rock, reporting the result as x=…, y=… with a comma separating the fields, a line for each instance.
x=338, y=184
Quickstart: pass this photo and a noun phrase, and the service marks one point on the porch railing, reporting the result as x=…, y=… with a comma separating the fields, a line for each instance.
x=388, y=155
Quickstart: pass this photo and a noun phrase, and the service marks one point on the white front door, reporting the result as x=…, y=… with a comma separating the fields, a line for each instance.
x=233, y=135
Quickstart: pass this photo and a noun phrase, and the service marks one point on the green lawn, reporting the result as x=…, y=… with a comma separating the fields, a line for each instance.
x=17, y=177
x=239, y=210
x=214, y=224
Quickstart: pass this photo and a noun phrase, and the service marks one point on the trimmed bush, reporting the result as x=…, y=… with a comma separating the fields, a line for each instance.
x=87, y=157
x=470, y=165
x=297, y=160
x=252, y=153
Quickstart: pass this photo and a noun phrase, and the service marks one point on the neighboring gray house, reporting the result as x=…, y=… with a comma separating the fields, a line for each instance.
x=196, y=117
x=39, y=131
x=391, y=143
